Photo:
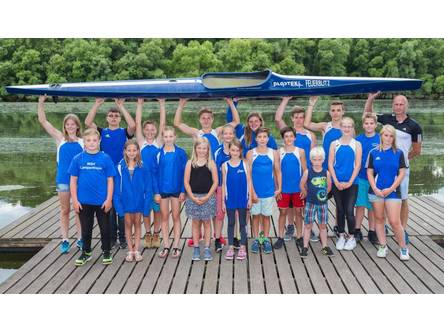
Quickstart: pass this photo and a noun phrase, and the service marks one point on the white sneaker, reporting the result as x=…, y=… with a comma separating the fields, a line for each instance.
x=404, y=254
x=350, y=244
x=382, y=251
x=340, y=243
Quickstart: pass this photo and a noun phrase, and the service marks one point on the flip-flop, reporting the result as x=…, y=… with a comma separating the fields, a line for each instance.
x=176, y=252
x=164, y=253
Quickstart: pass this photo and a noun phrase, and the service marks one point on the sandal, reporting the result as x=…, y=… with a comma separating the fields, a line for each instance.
x=176, y=252
x=129, y=256
x=164, y=253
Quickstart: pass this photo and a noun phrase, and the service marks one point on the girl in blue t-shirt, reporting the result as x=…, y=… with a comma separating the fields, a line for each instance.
x=132, y=195
x=385, y=170
x=344, y=165
x=69, y=144
x=171, y=161
x=149, y=139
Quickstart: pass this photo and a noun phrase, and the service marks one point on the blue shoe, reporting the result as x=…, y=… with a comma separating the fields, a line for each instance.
x=289, y=233
x=207, y=254
x=255, y=246
x=64, y=247
x=406, y=238
x=267, y=246
x=79, y=244
x=196, y=254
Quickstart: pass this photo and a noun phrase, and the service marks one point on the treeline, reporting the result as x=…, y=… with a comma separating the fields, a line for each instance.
x=34, y=61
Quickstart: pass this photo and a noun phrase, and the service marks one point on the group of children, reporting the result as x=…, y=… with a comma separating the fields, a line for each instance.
x=236, y=170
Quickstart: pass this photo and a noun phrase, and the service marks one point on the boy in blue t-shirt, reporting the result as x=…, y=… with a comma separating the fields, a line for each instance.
x=113, y=139
x=91, y=186
x=369, y=140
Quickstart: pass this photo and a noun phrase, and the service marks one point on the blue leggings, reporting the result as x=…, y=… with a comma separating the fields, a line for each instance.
x=231, y=213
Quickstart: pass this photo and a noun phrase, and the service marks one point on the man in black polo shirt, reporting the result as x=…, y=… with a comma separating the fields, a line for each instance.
x=408, y=139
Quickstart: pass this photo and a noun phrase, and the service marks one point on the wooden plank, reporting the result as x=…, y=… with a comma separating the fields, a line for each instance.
x=333, y=279
x=270, y=274
x=240, y=276
x=152, y=274
x=422, y=274
x=298, y=269
x=255, y=271
x=109, y=273
x=350, y=282
x=139, y=273
x=181, y=277
x=285, y=275
x=167, y=274
x=195, y=280
x=314, y=272
x=428, y=253
x=430, y=219
x=432, y=245
x=42, y=231
x=28, y=266
x=225, y=275
x=212, y=275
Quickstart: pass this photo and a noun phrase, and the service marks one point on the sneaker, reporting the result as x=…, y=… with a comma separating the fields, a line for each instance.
x=107, y=258
x=236, y=243
x=358, y=235
x=155, y=241
x=404, y=254
x=123, y=245
x=190, y=242
x=262, y=238
x=137, y=256
x=223, y=241
x=406, y=239
x=382, y=251
x=336, y=230
x=129, y=256
x=255, y=246
x=241, y=254
x=340, y=243
x=196, y=254
x=326, y=251
x=79, y=244
x=148, y=239
x=350, y=244
x=64, y=247
x=304, y=252
x=300, y=242
x=267, y=246
x=314, y=237
x=83, y=259
x=218, y=245
x=372, y=237
x=230, y=254
x=289, y=232
x=279, y=243
x=207, y=254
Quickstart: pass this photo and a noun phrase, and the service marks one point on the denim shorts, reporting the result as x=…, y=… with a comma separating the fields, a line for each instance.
x=262, y=207
x=374, y=198
x=362, y=199
x=62, y=188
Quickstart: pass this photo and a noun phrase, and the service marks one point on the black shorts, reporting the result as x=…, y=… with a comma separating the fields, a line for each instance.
x=169, y=195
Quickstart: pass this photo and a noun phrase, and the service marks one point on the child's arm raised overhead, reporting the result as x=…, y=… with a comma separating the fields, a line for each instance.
x=235, y=115
x=89, y=120
x=191, y=131
x=162, y=120
x=129, y=120
x=319, y=127
x=139, y=131
x=51, y=130
x=278, y=117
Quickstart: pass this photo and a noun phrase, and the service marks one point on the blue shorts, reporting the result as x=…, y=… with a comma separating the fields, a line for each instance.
x=62, y=188
x=315, y=213
x=362, y=199
x=375, y=198
x=262, y=207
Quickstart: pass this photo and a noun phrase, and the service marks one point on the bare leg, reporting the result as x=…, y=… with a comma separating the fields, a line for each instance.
x=404, y=213
x=307, y=233
x=157, y=219
x=359, y=216
x=207, y=232
x=322, y=234
x=282, y=219
x=147, y=224
x=65, y=206
x=299, y=221
x=129, y=231
x=175, y=211
x=255, y=226
x=378, y=213
x=266, y=225
x=196, y=232
x=165, y=212
x=137, y=231
x=371, y=220
x=393, y=210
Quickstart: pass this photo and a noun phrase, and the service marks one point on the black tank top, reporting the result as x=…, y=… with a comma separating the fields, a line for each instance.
x=201, y=179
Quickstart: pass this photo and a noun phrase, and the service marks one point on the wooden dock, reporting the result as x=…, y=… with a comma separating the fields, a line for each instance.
x=283, y=271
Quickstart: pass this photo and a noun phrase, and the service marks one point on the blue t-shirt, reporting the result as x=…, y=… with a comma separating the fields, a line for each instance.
x=386, y=165
x=113, y=141
x=262, y=173
x=331, y=134
x=236, y=189
x=65, y=153
x=270, y=144
x=291, y=168
x=220, y=157
x=93, y=171
x=303, y=141
x=344, y=163
x=317, y=186
x=367, y=143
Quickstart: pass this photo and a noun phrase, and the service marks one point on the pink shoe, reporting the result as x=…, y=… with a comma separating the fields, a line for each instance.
x=242, y=254
x=230, y=254
x=190, y=243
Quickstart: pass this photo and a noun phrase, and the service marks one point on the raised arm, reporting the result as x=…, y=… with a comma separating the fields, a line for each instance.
x=47, y=126
x=162, y=120
x=280, y=123
x=368, y=108
x=89, y=120
x=178, y=120
x=319, y=127
x=129, y=120
x=235, y=115
x=139, y=131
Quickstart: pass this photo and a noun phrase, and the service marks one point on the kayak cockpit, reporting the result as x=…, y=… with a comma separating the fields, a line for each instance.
x=234, y=80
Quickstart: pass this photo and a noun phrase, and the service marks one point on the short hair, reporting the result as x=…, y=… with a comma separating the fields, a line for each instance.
x=334, y=103
x=262, y=130
x=169, y=128
x=317, y=151
x=370, y=115
x=149, y=122
x=113, y=110
x=237, y=144
x=90, y=132
x=296, y=110
x=350, y=120
x=286, y=130
x=205, y=110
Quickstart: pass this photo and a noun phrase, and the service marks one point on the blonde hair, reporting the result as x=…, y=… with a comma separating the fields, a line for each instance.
x=317, y=152
x=90, y=132
x=169, y=128
x=351, y=121
x=390, y=129
x=76, y=119
x=248, y=133
x=197, y=142
x=370, y=115
x=227, y=126
x=138, y=158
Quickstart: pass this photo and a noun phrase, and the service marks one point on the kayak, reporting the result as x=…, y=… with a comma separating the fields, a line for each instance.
x=223, y=84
